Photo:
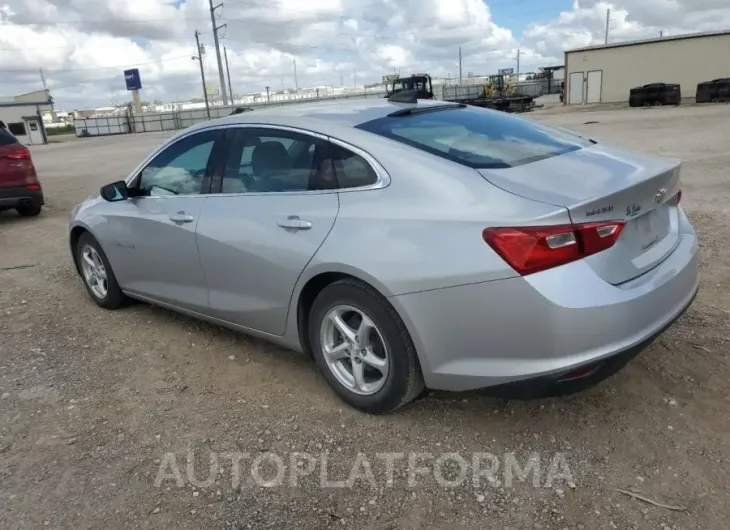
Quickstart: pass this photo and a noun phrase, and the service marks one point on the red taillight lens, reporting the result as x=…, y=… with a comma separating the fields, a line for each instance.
x=530, y=249
x=15, y=152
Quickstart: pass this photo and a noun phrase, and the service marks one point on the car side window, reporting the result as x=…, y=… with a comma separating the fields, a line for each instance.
x=351, y=169
x=276, y=161
x=180, y=168
x=248, y=149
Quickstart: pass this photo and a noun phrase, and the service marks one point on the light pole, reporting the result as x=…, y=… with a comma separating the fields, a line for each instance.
x=199, y=58
x=268, y=95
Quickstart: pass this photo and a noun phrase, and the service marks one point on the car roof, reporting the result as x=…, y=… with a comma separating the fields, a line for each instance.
x=322, y=116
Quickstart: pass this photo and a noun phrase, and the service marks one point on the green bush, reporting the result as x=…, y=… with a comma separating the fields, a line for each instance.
x=68, y=129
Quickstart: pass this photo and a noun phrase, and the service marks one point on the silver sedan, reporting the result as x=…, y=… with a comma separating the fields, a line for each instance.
x=402, y=245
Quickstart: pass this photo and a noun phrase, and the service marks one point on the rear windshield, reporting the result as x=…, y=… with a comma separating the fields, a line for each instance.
x=476, y=137
x=7, y=139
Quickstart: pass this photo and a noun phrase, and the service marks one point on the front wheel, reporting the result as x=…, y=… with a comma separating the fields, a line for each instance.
x=97, y=273
x=363, y=348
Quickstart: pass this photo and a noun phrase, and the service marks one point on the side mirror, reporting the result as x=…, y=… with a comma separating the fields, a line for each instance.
x=114, y=192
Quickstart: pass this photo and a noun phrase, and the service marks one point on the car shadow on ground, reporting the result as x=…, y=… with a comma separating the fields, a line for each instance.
x=281, y=360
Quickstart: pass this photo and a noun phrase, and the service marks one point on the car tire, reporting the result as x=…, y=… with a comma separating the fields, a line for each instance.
x=112, y=296
x=388, y=344
x=29, y=210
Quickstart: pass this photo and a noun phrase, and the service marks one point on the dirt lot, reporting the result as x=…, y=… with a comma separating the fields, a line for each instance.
x=94, y=402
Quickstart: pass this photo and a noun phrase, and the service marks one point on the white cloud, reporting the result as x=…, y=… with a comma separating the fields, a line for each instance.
x=83, y=45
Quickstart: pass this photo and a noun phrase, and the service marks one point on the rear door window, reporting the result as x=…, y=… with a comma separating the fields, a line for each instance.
x=352, y=170
x=477, y=138
x=274, y=161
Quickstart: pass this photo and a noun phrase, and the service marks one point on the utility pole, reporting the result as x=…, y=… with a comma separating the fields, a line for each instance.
x=228, y=72
x=224, y=91
x=661, y=34
x=608, y=22
x=518, y=63
x=296, y=83
x=459, y=64
x=342, y=82
x=199, y=57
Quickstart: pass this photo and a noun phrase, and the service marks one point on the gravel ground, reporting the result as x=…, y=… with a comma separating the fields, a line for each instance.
x=109, y=419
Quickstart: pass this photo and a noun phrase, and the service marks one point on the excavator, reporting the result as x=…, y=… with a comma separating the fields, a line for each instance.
x=419, y=83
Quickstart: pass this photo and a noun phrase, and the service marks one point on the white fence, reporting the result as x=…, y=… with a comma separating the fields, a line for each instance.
x=181, y=119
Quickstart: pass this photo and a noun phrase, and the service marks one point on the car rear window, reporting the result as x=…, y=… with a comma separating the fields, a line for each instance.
x=7, y=139
x=476, y=137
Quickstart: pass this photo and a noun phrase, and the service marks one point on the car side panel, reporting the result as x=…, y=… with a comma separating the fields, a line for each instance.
x=423, y=231
x=251, y=263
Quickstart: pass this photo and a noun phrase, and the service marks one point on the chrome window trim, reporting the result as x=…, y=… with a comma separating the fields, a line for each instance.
x=383, y=178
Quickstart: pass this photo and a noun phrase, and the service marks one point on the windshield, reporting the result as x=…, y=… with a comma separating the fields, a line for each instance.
x=476, y=137
x=410, y=83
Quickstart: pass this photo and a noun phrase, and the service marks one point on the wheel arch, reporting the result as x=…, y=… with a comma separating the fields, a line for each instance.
x=73, y=239
x=311, y=285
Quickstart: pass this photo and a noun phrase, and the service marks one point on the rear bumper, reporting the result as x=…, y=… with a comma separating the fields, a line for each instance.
x=13, y=197
x=537, y=328
x=562, y=383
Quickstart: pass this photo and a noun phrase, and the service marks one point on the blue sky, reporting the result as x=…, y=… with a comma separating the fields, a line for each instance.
x=517, y=15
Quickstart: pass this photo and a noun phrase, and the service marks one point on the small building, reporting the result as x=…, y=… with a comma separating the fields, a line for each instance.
x=22, y=115
x=605, y=73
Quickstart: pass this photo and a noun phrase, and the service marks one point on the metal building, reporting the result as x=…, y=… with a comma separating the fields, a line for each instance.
x=605, y=73
x=22, y=116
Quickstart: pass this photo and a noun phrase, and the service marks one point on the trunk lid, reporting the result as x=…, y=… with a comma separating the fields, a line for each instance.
x=602, y=183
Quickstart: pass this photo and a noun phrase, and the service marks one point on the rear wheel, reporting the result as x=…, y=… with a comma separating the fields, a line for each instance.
x=29, y=210
x=363, y=348
x=97, y=273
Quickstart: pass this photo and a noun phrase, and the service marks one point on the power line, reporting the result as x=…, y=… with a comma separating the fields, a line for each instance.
x=58, y=70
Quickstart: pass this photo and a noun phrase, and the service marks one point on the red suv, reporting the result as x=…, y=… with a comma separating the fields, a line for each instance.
x=19, y=186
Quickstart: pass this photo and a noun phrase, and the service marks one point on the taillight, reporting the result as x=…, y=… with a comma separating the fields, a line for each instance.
x=529, y=249
x=15, y=152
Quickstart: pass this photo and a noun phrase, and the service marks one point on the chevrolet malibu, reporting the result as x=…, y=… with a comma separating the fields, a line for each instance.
x=402, y=245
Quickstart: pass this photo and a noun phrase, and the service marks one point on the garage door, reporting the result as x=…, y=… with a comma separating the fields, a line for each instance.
x=594, y=86
x=575, y=96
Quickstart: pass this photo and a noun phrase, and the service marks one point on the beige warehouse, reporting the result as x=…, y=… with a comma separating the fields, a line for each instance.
x=606, y=73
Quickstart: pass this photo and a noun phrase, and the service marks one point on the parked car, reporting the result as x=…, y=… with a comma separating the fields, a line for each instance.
x=403, y=245
x=19, y=186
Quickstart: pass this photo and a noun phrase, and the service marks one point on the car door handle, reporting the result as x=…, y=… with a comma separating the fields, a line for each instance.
x=181, y=217
x=293, y=222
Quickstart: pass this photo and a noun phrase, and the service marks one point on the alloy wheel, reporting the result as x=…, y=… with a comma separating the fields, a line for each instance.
x=354, y=350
